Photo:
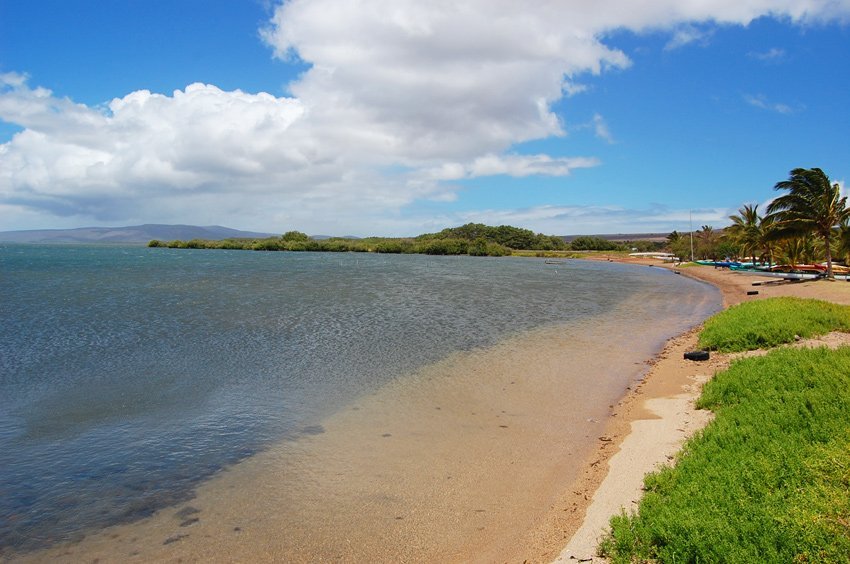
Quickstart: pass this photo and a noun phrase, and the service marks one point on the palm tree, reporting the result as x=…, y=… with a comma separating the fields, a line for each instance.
x=707, y=241
x=812, y=205
x=677, y=244
x=844, y=240
x=768, y=242
x=798, y=250
x=746, y=229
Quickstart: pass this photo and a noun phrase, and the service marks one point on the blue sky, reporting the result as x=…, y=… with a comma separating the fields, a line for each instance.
x=397, y=117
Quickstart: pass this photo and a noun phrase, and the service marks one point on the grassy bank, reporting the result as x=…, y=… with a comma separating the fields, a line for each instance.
x=769, y=479
x=768, y=323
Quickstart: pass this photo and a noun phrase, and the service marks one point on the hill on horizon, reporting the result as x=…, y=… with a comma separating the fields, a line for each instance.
x=130, y=234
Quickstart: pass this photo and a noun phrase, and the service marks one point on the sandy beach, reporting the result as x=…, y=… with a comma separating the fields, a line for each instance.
x=654, y=420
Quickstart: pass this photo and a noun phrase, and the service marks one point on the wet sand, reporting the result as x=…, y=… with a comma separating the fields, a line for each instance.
x=655, y=419
x=463, y=462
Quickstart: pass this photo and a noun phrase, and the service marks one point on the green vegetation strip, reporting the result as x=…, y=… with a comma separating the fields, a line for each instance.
x=768, y=480
x=474, y=239
x=768, y=323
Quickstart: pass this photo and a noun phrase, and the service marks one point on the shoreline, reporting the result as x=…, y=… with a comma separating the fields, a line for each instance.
x=653, y=421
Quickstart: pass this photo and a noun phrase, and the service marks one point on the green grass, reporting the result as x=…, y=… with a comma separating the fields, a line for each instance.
x=767, y=481
x=771, y=322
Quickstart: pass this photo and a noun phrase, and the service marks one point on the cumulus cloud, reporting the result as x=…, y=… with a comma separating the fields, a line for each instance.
x=73, y=159
x=511, y=165
x=399, y=97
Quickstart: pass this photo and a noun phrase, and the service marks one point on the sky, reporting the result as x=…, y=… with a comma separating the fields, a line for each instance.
x=400, y=117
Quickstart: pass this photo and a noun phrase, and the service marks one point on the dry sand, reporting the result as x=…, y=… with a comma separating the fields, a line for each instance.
x=656, y=418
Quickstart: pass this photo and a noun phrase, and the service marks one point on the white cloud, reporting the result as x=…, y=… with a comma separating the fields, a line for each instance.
x=436, y=79
x=686, y=35
x=761, y=101
x=573, y=88
x=395, y=91
x=511, y=165
x=12, y=79
x=600, y=128
x=770, y=56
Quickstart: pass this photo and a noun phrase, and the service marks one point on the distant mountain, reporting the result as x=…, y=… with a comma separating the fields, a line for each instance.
x=132, y=234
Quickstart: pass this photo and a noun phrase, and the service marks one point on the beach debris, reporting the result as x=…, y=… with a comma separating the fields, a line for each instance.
x=175, y=538
x=697, y=355
x=752, y=292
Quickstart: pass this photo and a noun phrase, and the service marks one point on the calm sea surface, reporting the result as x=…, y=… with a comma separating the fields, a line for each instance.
x=128, y=375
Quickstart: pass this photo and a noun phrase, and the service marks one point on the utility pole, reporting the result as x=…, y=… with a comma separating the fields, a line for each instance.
x=691, y=220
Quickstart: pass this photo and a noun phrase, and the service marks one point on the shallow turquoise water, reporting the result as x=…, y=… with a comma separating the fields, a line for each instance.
x=128, y=374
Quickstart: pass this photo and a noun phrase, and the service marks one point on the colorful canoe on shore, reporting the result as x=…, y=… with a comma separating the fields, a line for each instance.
x=719, y=263
x=797, y=271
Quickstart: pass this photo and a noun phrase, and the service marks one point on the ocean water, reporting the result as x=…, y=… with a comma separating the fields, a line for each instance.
x=128, y=375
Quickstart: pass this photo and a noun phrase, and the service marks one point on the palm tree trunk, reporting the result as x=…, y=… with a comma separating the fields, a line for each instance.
x=829, y=273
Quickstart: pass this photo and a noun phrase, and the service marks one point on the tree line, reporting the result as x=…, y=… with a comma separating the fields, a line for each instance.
x=474, y=239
